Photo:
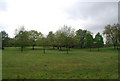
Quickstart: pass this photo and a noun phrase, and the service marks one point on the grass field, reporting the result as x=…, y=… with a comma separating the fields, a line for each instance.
x=78, y=64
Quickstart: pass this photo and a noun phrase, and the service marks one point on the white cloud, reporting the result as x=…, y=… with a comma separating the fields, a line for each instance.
x=41, y=15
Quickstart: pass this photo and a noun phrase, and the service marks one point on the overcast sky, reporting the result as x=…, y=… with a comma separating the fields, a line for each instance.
x=50, y=15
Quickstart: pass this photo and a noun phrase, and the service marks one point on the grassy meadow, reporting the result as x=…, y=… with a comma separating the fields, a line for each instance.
x=78, y=64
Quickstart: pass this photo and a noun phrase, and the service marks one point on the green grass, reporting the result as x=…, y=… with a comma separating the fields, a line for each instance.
x=78, y=64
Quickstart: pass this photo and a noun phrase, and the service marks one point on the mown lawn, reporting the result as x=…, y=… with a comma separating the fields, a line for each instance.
x=78, y=64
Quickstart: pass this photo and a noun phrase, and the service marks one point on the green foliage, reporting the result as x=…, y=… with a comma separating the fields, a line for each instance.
x=65, y=37
x=43, y=42
x=80, y=36
x=112, y=34
x=88, y=40
x=60, y=38
x=98, y=40
x=22, y=38
x=11, y=42
x=34, y=36
x=5, y=39
x=51, y=38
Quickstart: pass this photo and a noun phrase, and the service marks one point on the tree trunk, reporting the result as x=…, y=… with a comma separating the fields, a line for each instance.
x=21, y=48
x=58, y=47
x=33, y=47
x=44, y=50
x=3, y=48
x=114, y=46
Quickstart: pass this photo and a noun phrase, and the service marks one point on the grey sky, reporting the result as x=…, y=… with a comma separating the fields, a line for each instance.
x=50, y=15
x=119, y=12
x=98, y=13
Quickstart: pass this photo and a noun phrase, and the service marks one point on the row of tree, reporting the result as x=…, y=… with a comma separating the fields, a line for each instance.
x=65, y=37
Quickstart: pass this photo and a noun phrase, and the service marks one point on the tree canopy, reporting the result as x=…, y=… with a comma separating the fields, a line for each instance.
x=88, y=41
x=98, y=40
x=80, y=36
x=5, y=39
x=64, y=38
x=22, y=38
x=112, y=34
x=34, y=36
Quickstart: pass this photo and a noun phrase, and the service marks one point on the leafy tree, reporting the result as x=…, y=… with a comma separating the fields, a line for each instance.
x=112, y=34
x=11, y=42
x=0, y=40
x=80, y=36
x=118, y=34
x=51, y=39
x=65, y=37
x=5, y=39
x=22, y=38
x=88, y=41
x=98, y=41
x=34, y=36
x=60, y=38
x=43, y=42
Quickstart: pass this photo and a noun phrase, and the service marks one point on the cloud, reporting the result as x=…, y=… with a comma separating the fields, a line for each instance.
x=2, y=27
x=50, y=15
x=119, y=12
x=95, y=14
x=3, y=5
x=40, y=15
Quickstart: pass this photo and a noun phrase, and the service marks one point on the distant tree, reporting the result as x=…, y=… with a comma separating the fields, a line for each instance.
x=5, y=39
x=80, y=36
x=118, y=34
x=0, y=40
x=22, y=38
x=43, y=42
x=10, y=42
x=98, y=41
x=65, y=37
x=60, y=39
x=88, y=41
x=51, y=39
x=34, y=36
x=112, y=34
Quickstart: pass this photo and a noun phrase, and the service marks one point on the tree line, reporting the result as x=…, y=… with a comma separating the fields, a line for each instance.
x=66, y=37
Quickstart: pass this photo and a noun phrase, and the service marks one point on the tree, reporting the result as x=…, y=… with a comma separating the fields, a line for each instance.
x=118, y=34
x=88, y=41
x=11, y=42
x=112, y=34
x=98, y=40
x=43, y=42
x=5, y=39
x=51, y=39
x=0, y=40
x=80, y=36
x=22, y=38
x=34, y=36
x=65, y=37
x=60, y=40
